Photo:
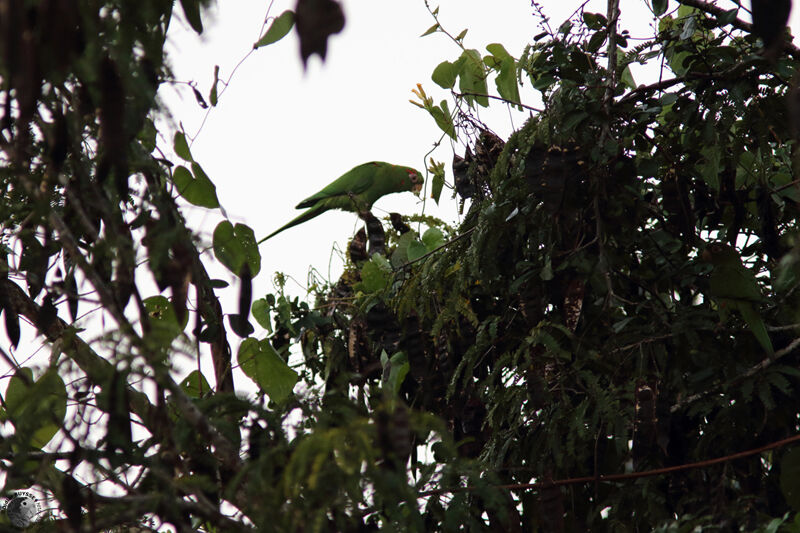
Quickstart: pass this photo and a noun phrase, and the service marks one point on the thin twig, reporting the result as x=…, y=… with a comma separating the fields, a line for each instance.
x=624, y=477
x=506, y=100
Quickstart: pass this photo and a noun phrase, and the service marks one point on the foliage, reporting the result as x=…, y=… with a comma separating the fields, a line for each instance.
x=558, y=361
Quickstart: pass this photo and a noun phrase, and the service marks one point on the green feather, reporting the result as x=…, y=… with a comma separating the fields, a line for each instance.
x=356, y=191
x=735, y=288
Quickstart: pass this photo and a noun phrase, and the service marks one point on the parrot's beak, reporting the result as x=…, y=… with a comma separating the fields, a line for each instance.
x=417, y=188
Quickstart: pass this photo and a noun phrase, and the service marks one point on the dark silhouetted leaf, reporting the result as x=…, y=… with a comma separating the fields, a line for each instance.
x=191, y=9
x=317, y=20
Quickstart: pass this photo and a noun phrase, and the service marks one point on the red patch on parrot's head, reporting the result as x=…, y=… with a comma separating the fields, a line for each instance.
x=416, y=180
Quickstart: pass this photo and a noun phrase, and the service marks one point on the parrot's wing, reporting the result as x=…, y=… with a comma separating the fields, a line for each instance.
x=735, y=282
x=355, y=182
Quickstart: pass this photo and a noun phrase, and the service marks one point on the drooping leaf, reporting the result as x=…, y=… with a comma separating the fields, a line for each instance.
x=191, y=9
x=472, y=77
x=261, y=363
x=240, y=324
x=416, y=250
x=12, y=324
x=36, y=407
x=164, y=323
x=594, y=21
x=444, y=75
x=437, y=184
x=195, y=385
x=199, y=98
x=280, y=27
x=260, y=312
x=660, y=7
x=181, y=147
x=441, y=114
x=373, y=278
x=197, y=190
x=395, y=370
x=433, y=238
x=506, y=80
x=212, y=95
x=236, y=245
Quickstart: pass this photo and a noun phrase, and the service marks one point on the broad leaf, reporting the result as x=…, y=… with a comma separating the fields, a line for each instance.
x=279, y=28
x=195, y=385
x=37, y=408
x=198, y=189
x=261, y=363
x=235, y=245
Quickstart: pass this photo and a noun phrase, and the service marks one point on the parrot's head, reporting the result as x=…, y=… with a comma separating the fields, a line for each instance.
x=415, y=180
x=718, y=253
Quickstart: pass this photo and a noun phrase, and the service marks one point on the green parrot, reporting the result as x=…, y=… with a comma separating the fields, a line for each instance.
x=356, y=190
x=735, y=287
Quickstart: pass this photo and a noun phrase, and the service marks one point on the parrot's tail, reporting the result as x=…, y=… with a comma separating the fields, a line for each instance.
x=757, y=326
x=299, y=219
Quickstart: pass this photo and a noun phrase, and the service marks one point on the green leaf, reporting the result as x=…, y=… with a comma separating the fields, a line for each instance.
x=433, y=238
x=260, y=312
x=443, y=119
x=261, y=363
x=626, y=78
x=432, y=29
x=382, y=263
x=506, y=80
x=460, y=36
x=400, y=255
x=444, y=75
x=195, y=385
x=660, y=7
x=397, y=367
x=594, y=21
x=373, y=278
x=191, y=8
x=163, y=320
x=728, y=17
x=181, y=147
x=197, y=190
x=436, y=186
x=498, y=51
x=235, y=245
x=212, y=96
x=280, y=27
x=472, y=77
x=790, y=478
x=574, y=118
x=596, y=41
x=416, y=250
x=544, y=82
x=36, y=408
